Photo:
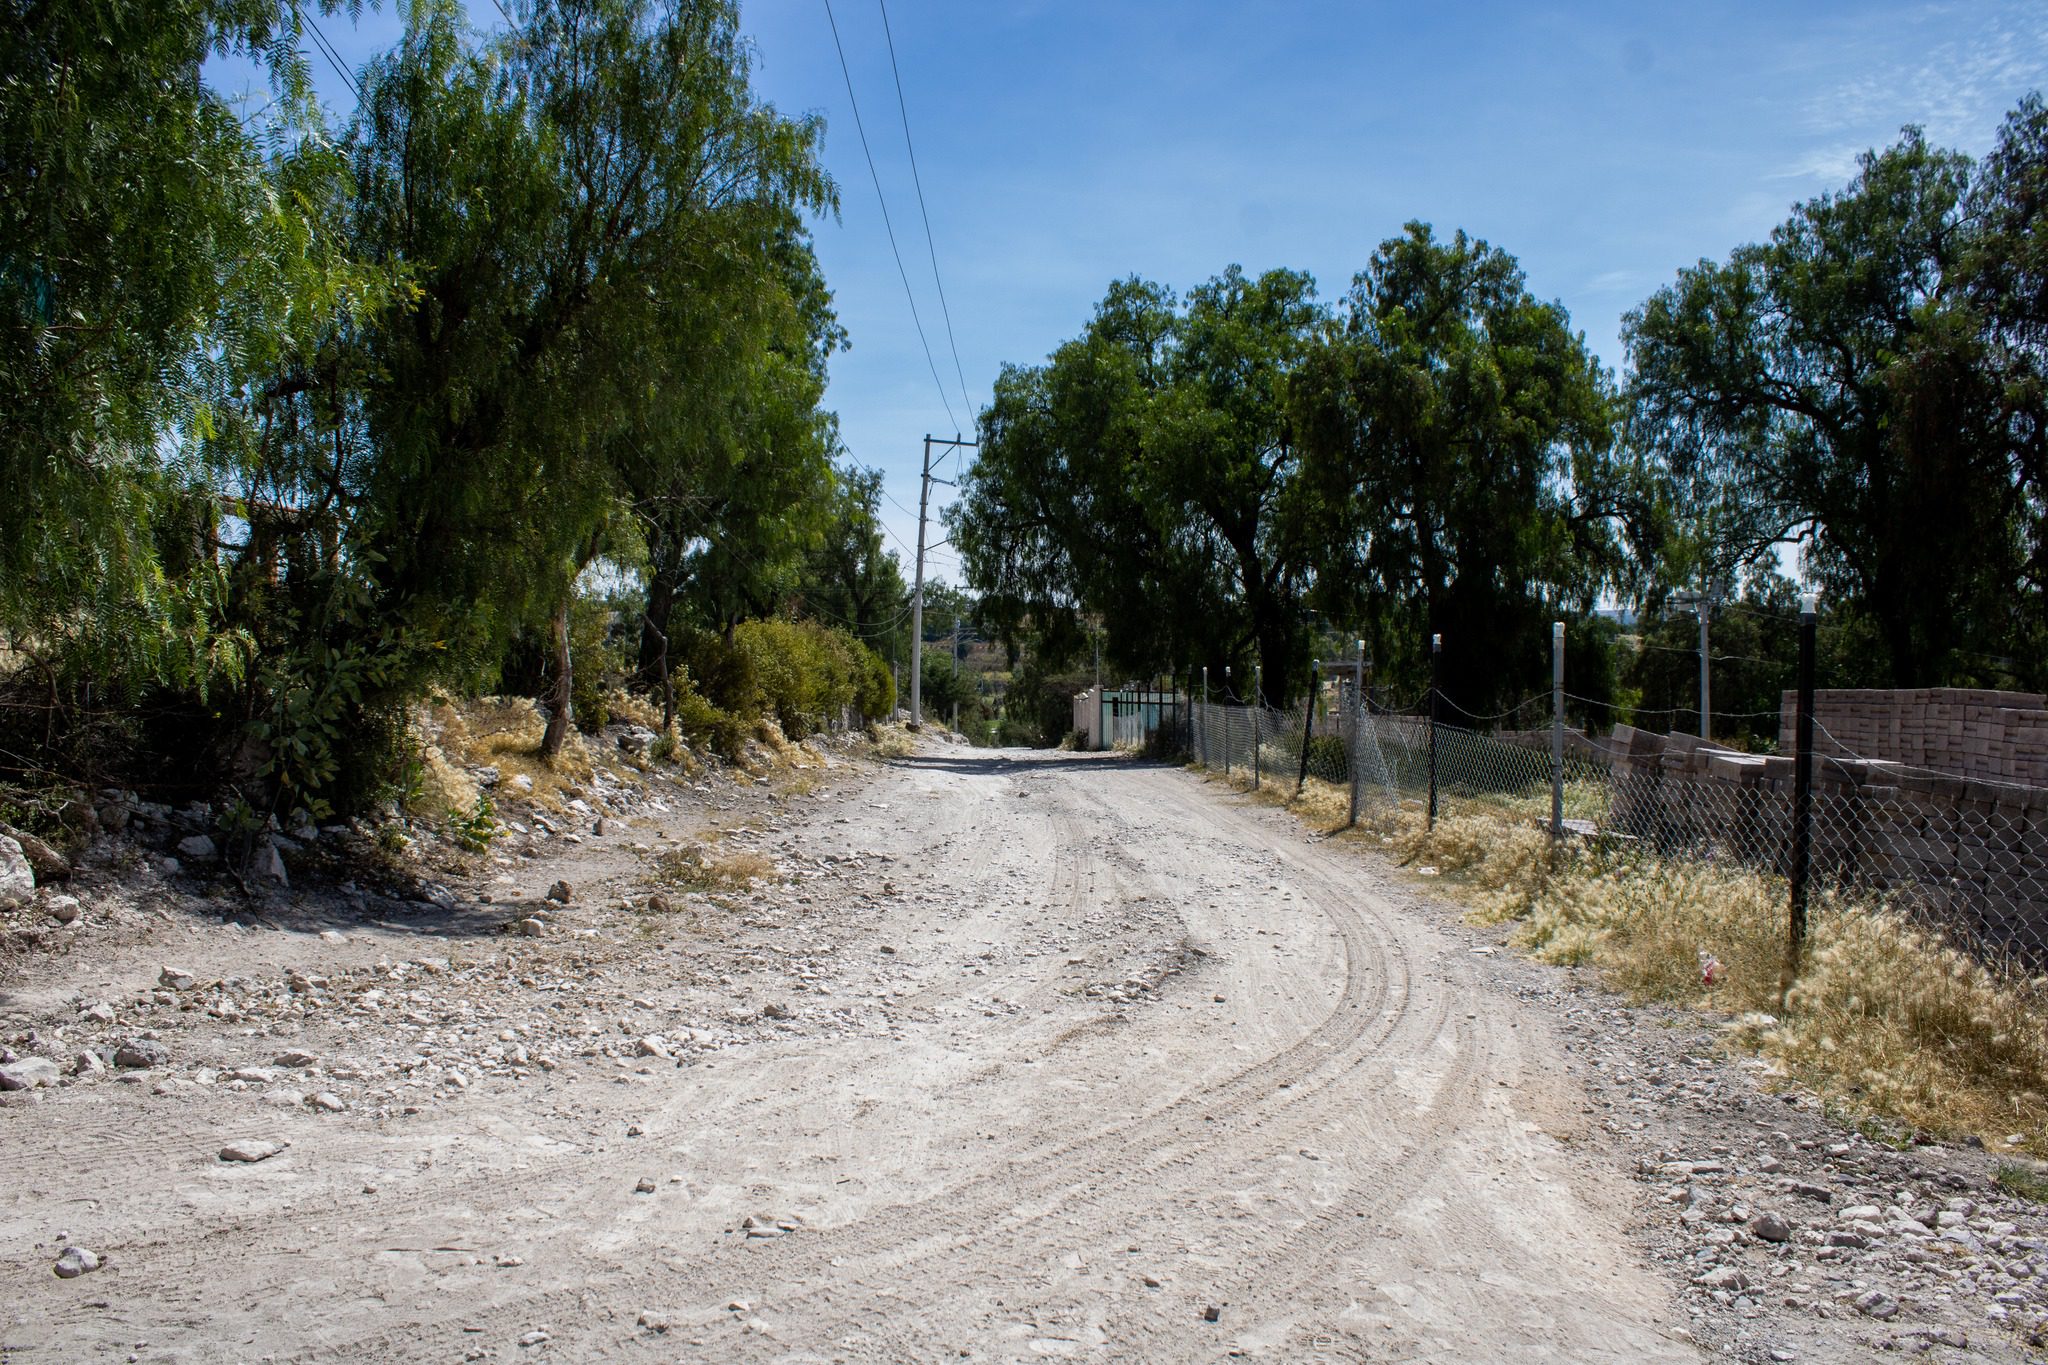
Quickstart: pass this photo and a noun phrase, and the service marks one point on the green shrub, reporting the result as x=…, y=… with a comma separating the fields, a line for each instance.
x=801, y=673
x=875, y=690
x=598, y=664
x=1327, y=759
x=704, y=722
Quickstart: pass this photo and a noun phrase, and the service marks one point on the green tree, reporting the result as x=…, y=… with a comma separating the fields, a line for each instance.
x=563, y=200
x=849, y=578
x=1833, y=386
x=1458, y=480
x=1140, y=479
x=153, y=250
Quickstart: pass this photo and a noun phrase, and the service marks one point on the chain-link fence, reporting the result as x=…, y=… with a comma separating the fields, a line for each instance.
x=1963, y=857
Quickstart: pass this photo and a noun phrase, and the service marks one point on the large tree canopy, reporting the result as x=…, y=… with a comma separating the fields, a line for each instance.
x=1837, y=385
x=1199, y=478
x=326, y=416
x=1141, y=478
x=1457, y=435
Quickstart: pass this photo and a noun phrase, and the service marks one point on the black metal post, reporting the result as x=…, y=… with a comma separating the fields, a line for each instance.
x=1802, y=801
x=1436, y=649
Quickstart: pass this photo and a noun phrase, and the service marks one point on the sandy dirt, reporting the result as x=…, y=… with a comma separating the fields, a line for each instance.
x=1024, y=1055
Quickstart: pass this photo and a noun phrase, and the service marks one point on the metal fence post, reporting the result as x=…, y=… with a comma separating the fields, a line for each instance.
x=1205, y=715
x=1802, y=800
x=1557, y=730
x=1436, y=649
x=1353, y=751
x=1257, y=706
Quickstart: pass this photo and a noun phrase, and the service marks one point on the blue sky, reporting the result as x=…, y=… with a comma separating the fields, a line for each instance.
x=1065, y=145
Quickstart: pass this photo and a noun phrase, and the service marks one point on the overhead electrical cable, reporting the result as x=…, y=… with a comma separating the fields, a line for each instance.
x=930, y=244
x=328, y=51
x=875, y=175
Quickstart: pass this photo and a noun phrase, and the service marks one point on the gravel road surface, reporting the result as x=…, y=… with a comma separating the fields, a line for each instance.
x=1024, y=1055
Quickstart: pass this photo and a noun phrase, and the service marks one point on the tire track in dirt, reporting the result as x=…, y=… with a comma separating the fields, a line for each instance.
x=1086, y=1164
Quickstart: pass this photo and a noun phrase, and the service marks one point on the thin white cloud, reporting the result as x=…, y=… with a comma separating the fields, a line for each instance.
x=1953, y=69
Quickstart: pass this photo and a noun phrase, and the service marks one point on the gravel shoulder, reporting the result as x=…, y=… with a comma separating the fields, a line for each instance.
x=1017, y=1055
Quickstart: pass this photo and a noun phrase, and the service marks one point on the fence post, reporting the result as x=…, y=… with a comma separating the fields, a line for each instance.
x=1205, y=715
x=1226, y=722
x=1308, y=720
x=1354, y=753
x=1436, y=649
x=1258, y=705
x=1557, y=730
x=1802, y=801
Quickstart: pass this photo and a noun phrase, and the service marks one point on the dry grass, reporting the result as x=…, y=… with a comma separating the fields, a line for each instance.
x=893, y=741
x=694, y=868
x=505, y=733
x=1884, y=1016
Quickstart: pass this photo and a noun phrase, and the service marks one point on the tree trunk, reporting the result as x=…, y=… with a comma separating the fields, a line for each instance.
x=661, y=599
x=558, y=722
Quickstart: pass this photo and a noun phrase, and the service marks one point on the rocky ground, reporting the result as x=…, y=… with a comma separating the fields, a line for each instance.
x=962, y=1056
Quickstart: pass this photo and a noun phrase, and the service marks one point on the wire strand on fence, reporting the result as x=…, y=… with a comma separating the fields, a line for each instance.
x=1964, y=859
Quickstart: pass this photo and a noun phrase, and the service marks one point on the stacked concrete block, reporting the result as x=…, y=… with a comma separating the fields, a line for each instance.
x=1999, y=736
x=1964, y=853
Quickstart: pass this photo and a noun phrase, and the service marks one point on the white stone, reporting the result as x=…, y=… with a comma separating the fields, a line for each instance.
x=251, y=1149
x=28, y=1073
x=17, y=878
x=74, y=1262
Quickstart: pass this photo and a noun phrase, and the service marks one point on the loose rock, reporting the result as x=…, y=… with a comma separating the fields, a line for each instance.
x=141, y=1053
x=251, y=1149
x=1770, y=1227
x=17, y=878
x=74, y=1262
x=28, y=1073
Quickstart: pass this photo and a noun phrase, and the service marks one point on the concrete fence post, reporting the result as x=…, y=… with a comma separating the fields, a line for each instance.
x=1557, y=730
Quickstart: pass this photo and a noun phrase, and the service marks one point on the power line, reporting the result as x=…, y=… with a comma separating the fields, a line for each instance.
x=875, y=175
x=328, y=51
x=918, y=181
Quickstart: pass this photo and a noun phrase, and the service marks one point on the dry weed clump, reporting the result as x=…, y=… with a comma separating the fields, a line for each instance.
x=693, y=868
x=892, y=741
x=505, y=733
x=1883, y=1014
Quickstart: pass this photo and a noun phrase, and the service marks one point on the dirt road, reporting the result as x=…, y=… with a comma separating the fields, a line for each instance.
x=1032, y=1055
